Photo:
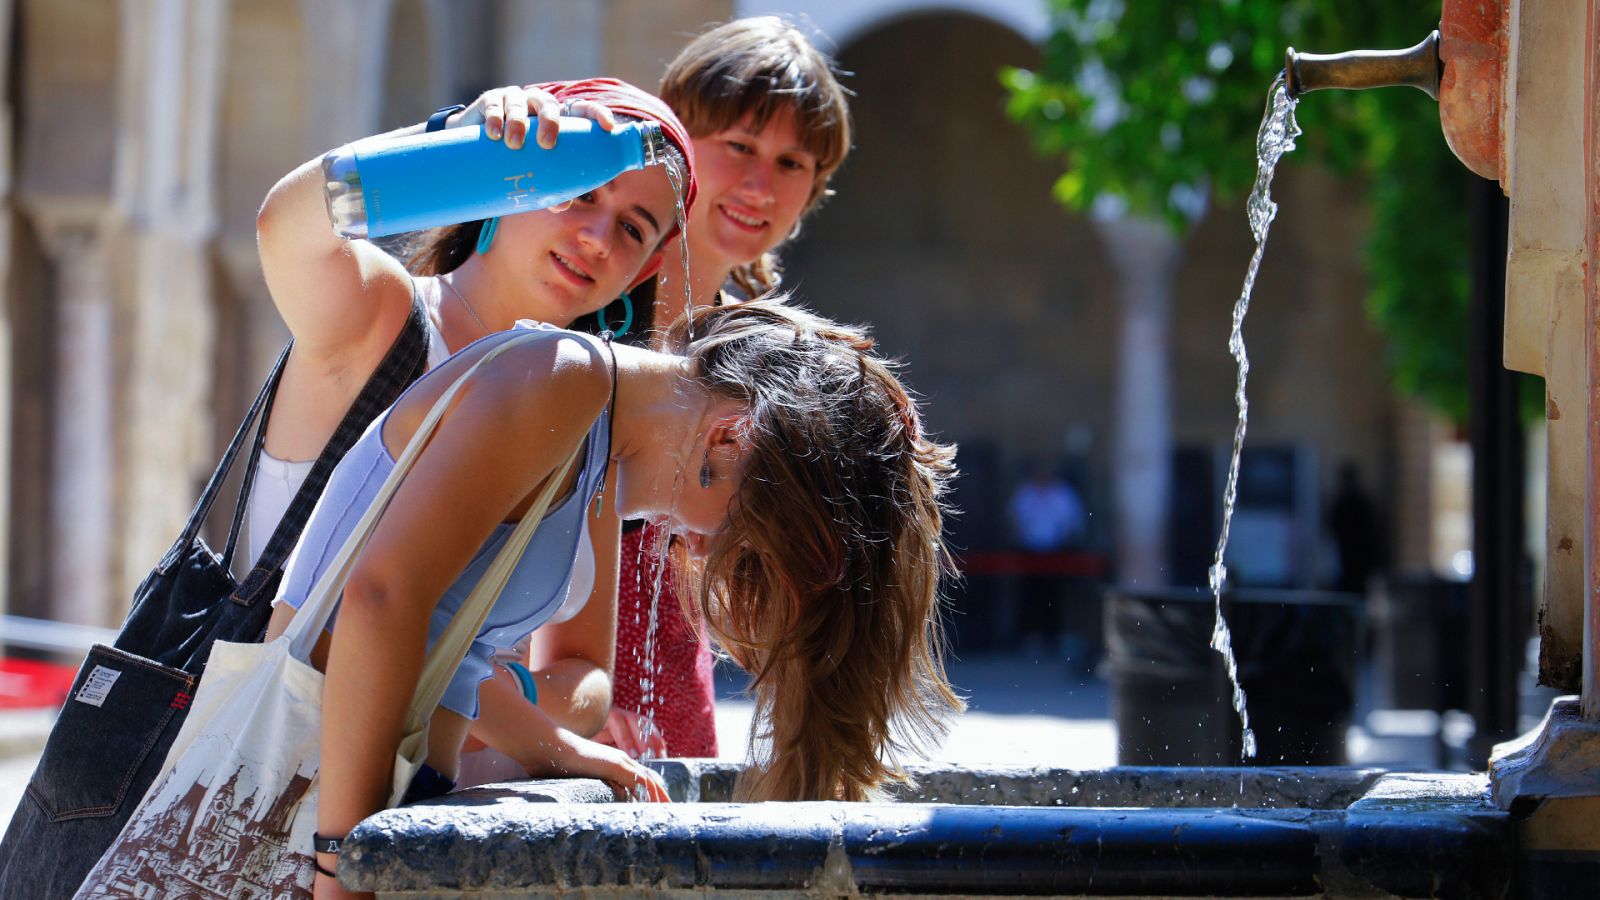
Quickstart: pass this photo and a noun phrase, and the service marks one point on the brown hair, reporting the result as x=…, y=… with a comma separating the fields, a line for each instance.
x=758, y=67
x=826, y=585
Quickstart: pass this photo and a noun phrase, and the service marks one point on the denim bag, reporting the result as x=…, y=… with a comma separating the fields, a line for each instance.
x=130, y=699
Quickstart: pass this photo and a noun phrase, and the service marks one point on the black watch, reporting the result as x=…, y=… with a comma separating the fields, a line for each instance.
x=441, y=115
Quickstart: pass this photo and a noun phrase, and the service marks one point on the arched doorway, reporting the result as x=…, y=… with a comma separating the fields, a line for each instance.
x=944, y=236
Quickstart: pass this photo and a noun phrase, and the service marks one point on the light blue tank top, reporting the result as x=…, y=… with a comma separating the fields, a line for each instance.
x=537, y=586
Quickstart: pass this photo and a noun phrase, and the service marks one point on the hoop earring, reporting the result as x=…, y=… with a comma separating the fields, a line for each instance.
x=486, y=234
x=705, y=471
x=627, y=316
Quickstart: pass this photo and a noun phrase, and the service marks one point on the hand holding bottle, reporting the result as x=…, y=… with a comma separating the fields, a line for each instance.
x=390, y=184
x=506, y=113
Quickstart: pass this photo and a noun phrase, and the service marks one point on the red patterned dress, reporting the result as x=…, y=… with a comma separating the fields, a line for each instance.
x=684, y=696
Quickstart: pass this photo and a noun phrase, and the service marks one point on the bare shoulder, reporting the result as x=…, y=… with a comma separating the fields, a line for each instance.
x=550, y=376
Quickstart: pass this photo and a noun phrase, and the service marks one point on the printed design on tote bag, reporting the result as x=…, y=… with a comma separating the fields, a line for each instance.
x=228, y=842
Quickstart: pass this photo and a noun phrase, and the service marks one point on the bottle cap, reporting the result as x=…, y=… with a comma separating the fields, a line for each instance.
x=341, y=189
x=655, y=144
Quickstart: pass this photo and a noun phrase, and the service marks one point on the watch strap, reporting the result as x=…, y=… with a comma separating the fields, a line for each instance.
x=436, y=122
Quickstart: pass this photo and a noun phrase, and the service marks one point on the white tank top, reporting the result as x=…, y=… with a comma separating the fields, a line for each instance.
x=278, y=480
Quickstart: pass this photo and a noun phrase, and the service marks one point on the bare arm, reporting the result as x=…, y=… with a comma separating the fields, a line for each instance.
x=544, y=749
x=339, y=298
x=510, y=428
x=573, y=661
x=346, y=300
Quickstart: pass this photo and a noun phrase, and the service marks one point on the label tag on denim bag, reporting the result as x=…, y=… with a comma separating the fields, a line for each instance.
x=97, y=685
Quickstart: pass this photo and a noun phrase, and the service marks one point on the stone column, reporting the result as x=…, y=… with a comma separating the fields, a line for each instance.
x=642, y=36
x=1145, y=255
x=83, y=444
x=345, y=42
x=170, y=70
x=1544, y=91
x=1590, y=53
x=1553, y=293
x=547, y=40
x=447, y=57
x=6, y=359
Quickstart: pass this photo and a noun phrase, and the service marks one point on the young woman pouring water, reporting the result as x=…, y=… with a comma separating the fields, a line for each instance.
x=345, y=301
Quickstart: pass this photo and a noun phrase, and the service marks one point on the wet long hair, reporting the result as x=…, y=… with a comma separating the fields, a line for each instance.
x=825, y=586
x=758, y=67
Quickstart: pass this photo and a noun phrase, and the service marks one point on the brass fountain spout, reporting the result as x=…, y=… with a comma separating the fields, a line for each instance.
x=1418, y=67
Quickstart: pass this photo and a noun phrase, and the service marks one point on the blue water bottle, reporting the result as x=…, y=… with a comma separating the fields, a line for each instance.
x=379, y=188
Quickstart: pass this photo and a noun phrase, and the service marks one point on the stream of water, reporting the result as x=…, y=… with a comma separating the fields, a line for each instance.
x=646, y=656
x=1276, y=137
x=676, y=179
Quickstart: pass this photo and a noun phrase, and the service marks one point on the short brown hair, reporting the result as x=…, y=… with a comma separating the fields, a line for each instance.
x=758, y=67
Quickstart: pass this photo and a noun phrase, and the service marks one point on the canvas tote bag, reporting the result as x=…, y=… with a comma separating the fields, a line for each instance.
x=233, y=813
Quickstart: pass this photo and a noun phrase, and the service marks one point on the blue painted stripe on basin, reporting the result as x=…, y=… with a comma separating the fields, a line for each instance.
x=1044, y=850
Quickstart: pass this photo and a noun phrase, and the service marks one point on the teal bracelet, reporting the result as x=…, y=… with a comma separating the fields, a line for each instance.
x=525, y=678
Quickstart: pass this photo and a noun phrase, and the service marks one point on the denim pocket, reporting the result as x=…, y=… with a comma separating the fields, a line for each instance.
x=122, y=707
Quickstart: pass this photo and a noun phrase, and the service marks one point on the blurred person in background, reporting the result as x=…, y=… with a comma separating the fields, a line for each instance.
x=1047, y=517
x=1357, y=532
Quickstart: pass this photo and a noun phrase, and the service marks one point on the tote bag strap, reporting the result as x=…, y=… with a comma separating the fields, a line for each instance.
x=445, y=656
x=309, y=622
x=259, y=409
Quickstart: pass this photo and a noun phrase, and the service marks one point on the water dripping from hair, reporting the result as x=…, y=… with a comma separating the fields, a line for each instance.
x=648, y=700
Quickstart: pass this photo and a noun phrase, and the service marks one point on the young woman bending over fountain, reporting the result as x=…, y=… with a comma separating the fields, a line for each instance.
x=345, y=301
x=770, y=124
x=784, y=453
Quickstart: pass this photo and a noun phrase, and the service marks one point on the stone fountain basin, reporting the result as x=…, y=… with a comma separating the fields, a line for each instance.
x=1323, y=831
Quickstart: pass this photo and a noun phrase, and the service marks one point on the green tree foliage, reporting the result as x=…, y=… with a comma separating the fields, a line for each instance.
x=1156, y=103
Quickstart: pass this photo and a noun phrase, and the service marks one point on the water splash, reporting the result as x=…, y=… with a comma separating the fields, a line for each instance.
x=1276, y=137
x=681, y=216
x=660, y=543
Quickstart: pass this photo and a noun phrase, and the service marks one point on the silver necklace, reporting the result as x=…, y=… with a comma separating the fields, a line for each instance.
x=470, y=311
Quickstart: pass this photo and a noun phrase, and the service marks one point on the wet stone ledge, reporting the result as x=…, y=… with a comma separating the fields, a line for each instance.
x=1172, y=787
x=1403, y=835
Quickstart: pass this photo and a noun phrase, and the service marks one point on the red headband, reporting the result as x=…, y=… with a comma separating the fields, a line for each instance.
x=623, y=98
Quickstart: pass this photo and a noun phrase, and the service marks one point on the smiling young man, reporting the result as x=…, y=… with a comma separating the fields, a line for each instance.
x=770, y=124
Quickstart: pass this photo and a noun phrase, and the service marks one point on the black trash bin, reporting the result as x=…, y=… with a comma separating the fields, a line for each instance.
x=1419, y=630
x=1297, y=653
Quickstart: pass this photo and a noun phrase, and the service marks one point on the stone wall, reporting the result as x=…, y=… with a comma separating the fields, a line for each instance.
x=137, y=325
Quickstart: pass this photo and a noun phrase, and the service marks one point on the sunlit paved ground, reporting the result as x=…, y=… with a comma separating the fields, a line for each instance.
x=1023, y=712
